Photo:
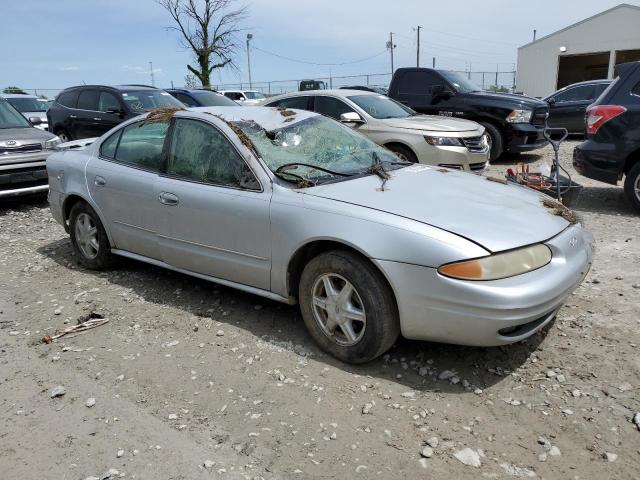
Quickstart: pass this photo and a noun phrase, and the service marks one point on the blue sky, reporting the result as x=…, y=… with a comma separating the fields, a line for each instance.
x=49, y=44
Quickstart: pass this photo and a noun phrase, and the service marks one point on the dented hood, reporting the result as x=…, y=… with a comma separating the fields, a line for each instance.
x=493, y=215
x=434, y=123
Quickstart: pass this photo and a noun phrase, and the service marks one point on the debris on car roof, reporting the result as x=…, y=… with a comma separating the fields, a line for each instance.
x=163, y=114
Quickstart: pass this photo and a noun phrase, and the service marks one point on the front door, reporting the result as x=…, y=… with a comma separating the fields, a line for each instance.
x=569, y=107
x=214, y=216
x=122, y=182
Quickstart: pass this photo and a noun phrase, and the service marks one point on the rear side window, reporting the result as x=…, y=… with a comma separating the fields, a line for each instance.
x=88, y=100
x=234, y=95
x=141, y=145
x=68, y=99
x=418, y=82
x=108, y=147
x=301, y=103
x=577, y=94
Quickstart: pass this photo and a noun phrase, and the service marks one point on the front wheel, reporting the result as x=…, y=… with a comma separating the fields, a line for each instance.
x=403, y=153
x=495, y=140
x=632, y=185
x=348, y=307
x=89, y=238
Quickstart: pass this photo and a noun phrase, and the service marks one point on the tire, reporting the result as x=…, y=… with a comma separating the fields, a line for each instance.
x=632, y=185
x=64, y=135
x=497, y=142
x=371, y=301
x=404, y=153
x=93, y=249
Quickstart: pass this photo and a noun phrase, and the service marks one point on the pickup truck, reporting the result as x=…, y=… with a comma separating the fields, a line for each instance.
x=23, y=153
x=515, y=123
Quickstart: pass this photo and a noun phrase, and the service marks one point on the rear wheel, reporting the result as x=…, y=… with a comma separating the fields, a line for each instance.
x=496, y=141
x=89, y=238
x=632, y=185
x=64, y=136
x=348, y=307
x=403, y=153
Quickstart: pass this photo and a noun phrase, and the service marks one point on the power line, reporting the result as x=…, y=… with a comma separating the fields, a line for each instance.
x=316, y=63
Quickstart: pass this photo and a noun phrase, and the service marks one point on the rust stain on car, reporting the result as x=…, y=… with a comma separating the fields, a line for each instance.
x=556, y=208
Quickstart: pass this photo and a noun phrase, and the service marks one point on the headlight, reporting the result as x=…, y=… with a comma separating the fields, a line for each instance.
x=444, y=141
x=500, y=265
x=519, y=116
x=51, y=143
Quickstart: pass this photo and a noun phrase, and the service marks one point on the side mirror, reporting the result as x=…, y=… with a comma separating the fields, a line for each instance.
x=351, y=117
x=35, y=121
x=551, y=101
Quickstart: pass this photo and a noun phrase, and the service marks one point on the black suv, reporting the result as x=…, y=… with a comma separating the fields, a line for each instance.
x=91, y=110
x=201, y=98
x=612, y=146
x=515, y=123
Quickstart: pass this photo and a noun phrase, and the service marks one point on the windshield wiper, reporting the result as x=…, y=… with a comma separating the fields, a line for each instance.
x=301, y=181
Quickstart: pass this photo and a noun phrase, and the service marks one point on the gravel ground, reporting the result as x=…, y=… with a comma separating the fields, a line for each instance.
x=190, y=380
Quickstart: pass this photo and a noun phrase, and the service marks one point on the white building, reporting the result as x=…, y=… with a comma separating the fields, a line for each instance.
x=586, y=50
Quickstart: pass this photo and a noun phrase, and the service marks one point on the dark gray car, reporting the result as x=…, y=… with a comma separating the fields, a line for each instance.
x=23, y=153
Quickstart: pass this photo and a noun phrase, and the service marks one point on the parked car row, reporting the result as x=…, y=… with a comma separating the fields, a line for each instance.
x=31, y=107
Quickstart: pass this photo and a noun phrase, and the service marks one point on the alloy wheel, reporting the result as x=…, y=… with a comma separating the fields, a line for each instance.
x=338, y=309
x=636, y=187
x=86, y=233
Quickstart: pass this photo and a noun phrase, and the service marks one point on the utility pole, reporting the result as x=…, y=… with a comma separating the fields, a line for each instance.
x=391, y=46
x=418, y=49
x=497, y=69
x=153, y=80
x=433, y=63
x=249, y=37
x=534, y=34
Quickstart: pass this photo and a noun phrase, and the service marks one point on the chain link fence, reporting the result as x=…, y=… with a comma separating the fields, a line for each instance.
x=504, y=81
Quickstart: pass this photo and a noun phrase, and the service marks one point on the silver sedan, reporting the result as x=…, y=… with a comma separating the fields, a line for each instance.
x=296, y=207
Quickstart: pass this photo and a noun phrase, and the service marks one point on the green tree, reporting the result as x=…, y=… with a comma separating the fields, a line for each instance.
x=209, y=28
x=17, y=90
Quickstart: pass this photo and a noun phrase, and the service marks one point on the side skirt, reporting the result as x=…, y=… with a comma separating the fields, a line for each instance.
x=226, y=283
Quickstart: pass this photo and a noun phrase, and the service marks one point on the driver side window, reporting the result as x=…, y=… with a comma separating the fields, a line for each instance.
x=331, y=107
x=200, y=152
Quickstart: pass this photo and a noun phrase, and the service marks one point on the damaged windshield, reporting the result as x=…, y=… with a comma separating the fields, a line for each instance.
x=316, y=141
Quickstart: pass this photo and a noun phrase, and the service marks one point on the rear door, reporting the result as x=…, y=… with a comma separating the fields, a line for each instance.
x=87, y=115
x=214, y=213
x=121, y=181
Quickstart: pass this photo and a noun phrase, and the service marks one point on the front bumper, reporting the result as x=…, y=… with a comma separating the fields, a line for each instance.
x=23, y=175
x=459, y=158
x=524, y=137
x=600, y=161
x=436, y=308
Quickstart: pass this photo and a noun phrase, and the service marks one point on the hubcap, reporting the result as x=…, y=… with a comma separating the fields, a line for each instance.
x=87, y=236
x=338, y=309
x=63, y=137
x=636, y=187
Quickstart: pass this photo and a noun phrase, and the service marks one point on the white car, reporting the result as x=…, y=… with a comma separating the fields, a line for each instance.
x=244, y=97
x=31, y=107
x=432, y=140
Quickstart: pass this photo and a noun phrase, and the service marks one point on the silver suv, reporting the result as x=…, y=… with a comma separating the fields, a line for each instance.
x=31, y=107
x=447, y=142
x=23, y=153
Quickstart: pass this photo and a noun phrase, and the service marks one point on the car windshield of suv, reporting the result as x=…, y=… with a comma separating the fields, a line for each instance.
x=317, y=141
x=11, y=118
x=254, y=95
x=460, y=82
x=379, y=106
x=29, y=104
x=143, y=100
x=211, y=99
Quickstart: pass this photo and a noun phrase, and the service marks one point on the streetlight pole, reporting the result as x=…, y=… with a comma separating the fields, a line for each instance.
x=418, y=50
x=249, y=37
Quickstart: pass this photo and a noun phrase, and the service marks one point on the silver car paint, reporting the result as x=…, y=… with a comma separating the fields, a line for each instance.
x=411, y=131
x=407, y=243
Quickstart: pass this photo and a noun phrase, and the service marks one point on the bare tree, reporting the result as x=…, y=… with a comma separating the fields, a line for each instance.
x=209, y=29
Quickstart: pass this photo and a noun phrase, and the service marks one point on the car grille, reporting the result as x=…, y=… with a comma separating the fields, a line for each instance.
x=474, y=144
x=32, y=147
x=539, y=116
x=451, y=166
x=478, y=166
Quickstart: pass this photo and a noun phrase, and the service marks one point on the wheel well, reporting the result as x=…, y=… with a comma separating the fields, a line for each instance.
x=631, y=161
x=69, y=203
x=312, y=250
x=398, y=144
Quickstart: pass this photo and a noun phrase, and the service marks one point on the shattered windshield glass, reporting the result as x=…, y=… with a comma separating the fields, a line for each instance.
x=320, y=142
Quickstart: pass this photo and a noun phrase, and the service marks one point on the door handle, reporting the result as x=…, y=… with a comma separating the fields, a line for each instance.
x=97, y=119
x=100, y=181
x=73, y=116
x=167, y=198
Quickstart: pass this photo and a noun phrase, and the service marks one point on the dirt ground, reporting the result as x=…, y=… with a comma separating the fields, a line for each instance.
x=194, y=381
